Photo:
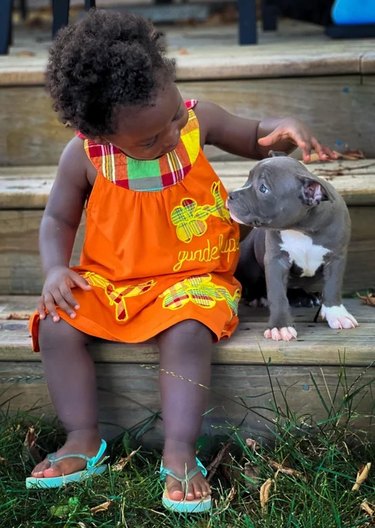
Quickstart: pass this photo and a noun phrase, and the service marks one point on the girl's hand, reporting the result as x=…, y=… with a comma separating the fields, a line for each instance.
x=296, y=132
x=57, y=292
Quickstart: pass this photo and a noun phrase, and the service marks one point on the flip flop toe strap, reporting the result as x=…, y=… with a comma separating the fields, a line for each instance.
x=199, y=468
x=90, y=461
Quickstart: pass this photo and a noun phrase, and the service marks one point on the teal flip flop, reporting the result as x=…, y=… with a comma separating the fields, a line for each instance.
x=185, y=506
x=55, y=482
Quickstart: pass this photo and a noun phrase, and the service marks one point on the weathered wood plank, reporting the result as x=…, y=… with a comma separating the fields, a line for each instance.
x=29, y=187
x=222, y=58
x=368, y=63
x=20, y=270
x=336, y=110
x=316, y=343
x=240, y=395
x=20, y=263
x=31, y=135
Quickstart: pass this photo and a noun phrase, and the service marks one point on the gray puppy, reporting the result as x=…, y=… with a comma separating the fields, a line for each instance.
x=302, y=229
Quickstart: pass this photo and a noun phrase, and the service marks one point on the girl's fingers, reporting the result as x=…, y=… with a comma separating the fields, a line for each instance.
x=319, y=149
x=50, y=305
x=80, y=282
x=62, y=297
x=270, y=139
x=59, y=297
x=304, y=142
x=330, y=154
x=40, y=308
x=68, y=302
x=54, y=299
x=305, y=146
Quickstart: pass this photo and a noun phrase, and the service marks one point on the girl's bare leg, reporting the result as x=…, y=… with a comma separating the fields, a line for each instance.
x=71, y=380
x=185, y=354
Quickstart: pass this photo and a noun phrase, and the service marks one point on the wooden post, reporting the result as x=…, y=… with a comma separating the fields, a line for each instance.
x=60, y=15
x=5, y=25
x=247, y=21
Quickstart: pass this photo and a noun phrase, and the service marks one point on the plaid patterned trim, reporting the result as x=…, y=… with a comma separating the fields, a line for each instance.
x=148, y=175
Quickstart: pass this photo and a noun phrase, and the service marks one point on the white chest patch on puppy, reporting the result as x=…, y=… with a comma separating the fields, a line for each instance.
x=302, y=251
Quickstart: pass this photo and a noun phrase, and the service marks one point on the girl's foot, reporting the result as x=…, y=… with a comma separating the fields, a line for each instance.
x=180, y=458
x=85, y=441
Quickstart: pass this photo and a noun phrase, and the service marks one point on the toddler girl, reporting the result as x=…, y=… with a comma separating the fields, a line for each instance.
x=160, y=249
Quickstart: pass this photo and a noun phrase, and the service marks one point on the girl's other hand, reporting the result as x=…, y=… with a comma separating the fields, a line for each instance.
x=295, y=131
x=57, y=291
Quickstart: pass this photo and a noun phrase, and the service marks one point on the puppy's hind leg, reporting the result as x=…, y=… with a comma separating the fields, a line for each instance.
x=250, y=271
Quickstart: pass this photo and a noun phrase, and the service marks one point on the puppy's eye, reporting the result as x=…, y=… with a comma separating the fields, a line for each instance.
x=263, y=188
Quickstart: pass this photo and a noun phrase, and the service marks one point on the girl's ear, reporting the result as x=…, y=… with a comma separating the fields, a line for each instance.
x=101, y=140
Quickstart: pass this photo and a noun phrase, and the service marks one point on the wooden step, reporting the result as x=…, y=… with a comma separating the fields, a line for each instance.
x=29, y=187
x=212, y=53
x=337, y=111
x=251, y=375
x=295, y=71
x=24, y=191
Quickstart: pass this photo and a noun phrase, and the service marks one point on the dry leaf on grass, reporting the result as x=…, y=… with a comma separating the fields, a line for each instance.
x=265, y=493
x=30, y=447
x=285, y=470
x=368, y=299
x=124, y=460
x=212, y=467
x=368, y=508
x=101, y=507
x=229, y=498
x=361, y=476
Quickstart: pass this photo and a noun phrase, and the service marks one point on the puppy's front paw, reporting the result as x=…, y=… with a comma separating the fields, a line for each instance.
x=338, y=317
x=286, y=333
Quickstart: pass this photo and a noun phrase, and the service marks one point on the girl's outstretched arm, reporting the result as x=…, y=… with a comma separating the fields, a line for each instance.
x=252, y=138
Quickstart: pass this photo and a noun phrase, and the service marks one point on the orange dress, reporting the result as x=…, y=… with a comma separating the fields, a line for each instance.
x=160, y=246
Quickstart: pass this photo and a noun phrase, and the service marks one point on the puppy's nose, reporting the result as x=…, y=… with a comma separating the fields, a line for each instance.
x=231, y=196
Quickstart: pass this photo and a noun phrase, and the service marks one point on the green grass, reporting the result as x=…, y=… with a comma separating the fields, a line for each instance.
x=325, y=457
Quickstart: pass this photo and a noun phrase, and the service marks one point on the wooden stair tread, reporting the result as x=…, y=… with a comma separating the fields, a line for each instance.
x=317, y=344
x=319, y=56
x=28, y=187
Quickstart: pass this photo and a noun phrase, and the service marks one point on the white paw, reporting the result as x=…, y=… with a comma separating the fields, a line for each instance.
x=259, y=303
x=286, y=333
x=338, y=317
x=263, y=302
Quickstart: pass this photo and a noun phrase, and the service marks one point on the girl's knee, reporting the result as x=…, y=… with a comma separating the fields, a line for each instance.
x=188, y=334
x=190, y=328
x=53, y=335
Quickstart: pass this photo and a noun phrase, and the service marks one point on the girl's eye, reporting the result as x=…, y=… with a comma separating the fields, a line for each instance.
x=178, y=116
x=149, y=144
x=263, y=188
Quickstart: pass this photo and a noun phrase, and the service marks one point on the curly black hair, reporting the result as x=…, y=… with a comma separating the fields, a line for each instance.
x=105, y=61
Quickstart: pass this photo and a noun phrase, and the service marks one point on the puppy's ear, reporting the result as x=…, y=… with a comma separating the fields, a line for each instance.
x=313, y=192
x=276, y=153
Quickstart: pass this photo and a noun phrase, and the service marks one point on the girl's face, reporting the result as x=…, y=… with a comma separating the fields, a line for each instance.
x=148, y=132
